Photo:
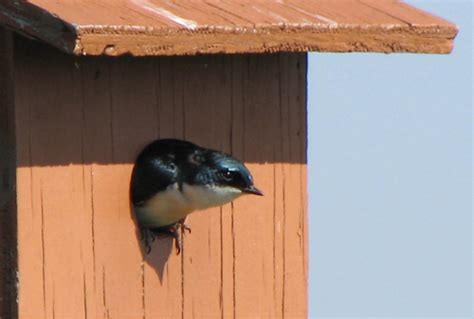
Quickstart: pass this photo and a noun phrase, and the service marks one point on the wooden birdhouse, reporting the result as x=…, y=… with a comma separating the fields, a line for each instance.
x=85, y=85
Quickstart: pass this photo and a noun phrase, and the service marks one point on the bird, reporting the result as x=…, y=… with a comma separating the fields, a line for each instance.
x=172, y=178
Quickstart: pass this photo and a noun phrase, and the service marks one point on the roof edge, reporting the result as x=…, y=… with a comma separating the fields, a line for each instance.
x=115, y=40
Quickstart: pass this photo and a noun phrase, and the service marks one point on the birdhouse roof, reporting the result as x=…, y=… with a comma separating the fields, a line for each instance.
x=189, y=27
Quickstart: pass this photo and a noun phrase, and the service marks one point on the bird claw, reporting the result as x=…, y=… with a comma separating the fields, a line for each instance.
x=177, y=231
x=178, y=241
x=184, y=227
x=147, y=237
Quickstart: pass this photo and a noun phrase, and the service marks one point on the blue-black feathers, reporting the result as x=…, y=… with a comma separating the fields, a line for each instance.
x=169, y=161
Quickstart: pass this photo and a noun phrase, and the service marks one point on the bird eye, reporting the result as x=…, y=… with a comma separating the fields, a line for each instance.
x=227, y=175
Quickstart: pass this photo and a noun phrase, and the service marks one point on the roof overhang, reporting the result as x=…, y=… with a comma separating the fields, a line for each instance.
x=160, y=27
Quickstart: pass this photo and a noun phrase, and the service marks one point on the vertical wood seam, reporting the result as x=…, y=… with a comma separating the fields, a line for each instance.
x=43, y=252
x=84, y=293
x=274, y=232
x=156, y=84
x=54, y=302
x=280, y=104
x=94, y=269
x=231, y=142
x=80, y=82
x=284, y=241
x=183, y=106
x=111, y=108
x=233, y=260
x=104, y=295
x=83, y=129
x=142, y=268
x=183, y=123
x=173, y=90
x=221, y=296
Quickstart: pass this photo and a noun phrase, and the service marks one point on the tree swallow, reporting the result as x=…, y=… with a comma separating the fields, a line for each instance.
x=172, y=178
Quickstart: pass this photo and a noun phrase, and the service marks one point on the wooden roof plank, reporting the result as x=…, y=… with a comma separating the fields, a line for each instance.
x=214, y=15
x=406, y=13
x=290, y=13
x=188, y=27
x=348, y=12
x=246, y=11
x=236, y=19
x=172, y=13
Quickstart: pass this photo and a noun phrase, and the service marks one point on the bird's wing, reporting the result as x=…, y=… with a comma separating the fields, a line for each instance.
x=151, y=177
x=160, y=165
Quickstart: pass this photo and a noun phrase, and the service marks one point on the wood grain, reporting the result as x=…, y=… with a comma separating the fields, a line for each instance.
x=82, y=120
x=159, y=27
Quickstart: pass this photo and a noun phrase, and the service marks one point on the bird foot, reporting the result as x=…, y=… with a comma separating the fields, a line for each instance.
x=183, y=226
x=176, y=230
x=147, y=238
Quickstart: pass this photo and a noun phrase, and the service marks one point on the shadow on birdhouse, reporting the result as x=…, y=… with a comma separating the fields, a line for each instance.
x=161, y=247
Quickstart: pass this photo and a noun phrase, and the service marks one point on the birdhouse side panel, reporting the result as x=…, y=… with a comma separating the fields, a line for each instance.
x=80, y=124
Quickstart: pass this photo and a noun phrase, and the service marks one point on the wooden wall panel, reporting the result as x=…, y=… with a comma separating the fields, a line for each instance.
x=81, y=123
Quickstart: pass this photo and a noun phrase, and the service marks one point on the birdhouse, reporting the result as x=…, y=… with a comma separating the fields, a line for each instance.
x=85, y=85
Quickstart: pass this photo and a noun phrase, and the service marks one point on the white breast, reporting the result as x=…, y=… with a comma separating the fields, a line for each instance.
x=201, y=197
x=171, y=205
x=165, y=208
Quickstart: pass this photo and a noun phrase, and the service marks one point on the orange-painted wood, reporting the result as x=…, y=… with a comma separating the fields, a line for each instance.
x=159, y=27
x=80, y=122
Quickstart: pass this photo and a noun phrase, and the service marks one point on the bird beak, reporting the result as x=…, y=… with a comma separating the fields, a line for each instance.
x=252, y=190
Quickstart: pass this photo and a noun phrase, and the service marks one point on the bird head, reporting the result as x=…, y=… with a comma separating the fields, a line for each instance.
x=226, y=171
x=216, y=178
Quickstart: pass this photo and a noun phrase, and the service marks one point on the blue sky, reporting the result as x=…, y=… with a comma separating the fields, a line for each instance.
x=390, y=180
